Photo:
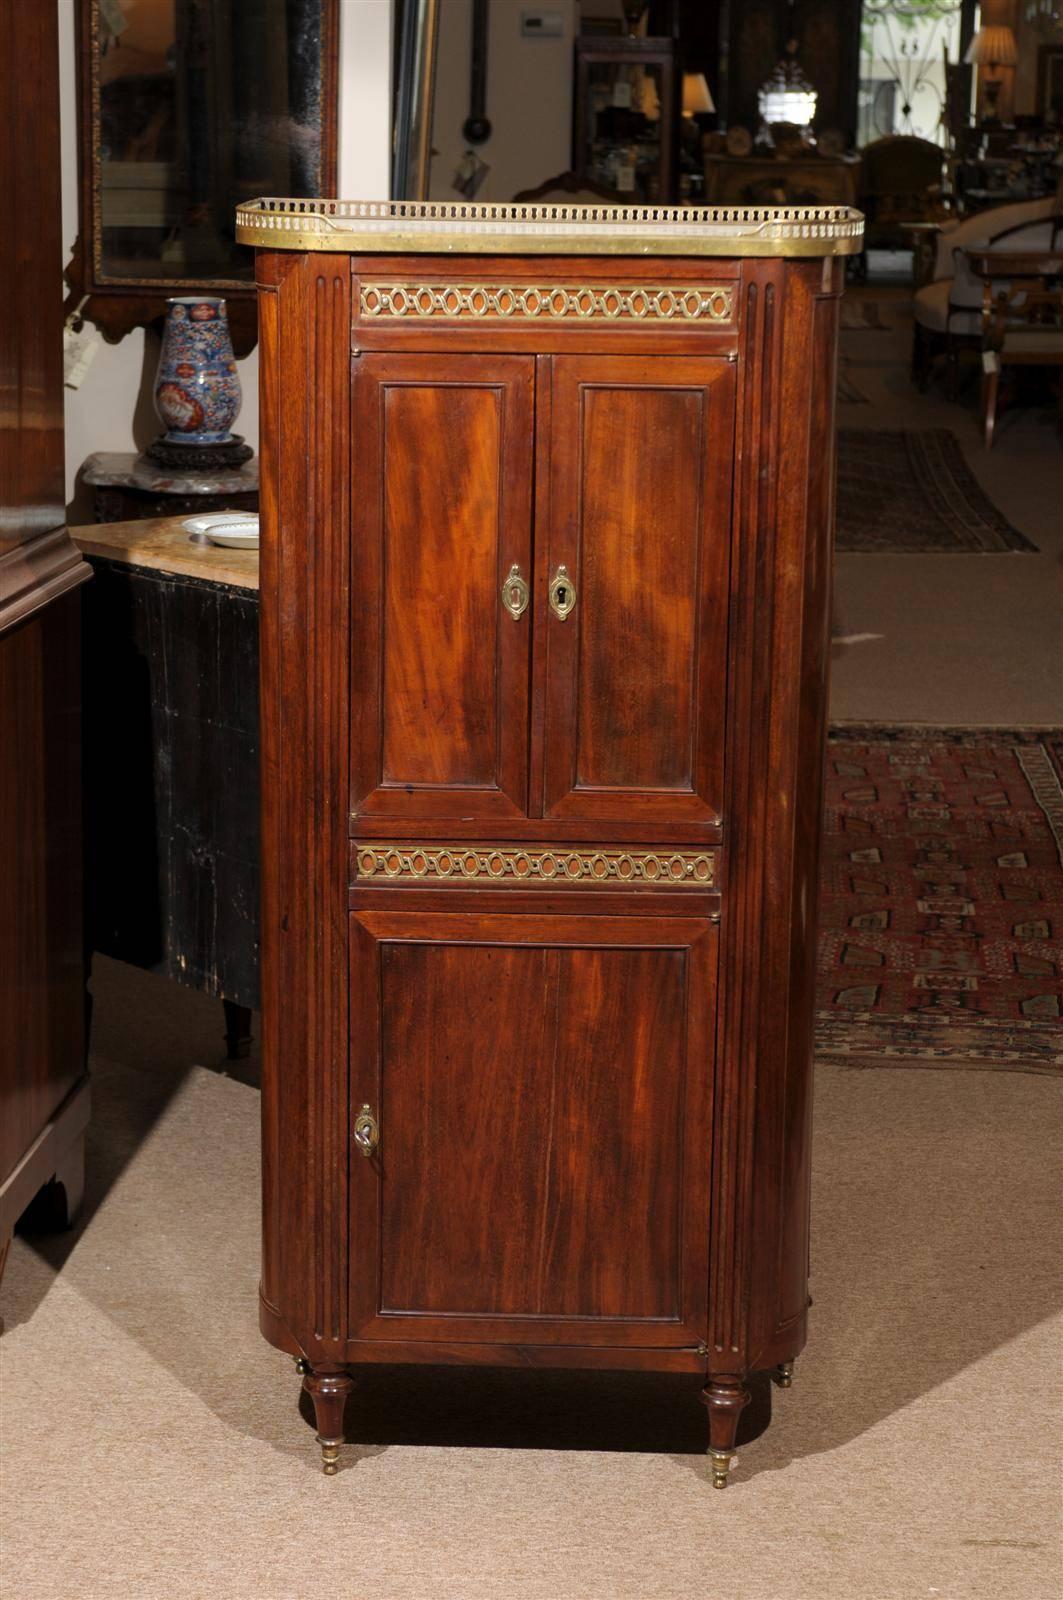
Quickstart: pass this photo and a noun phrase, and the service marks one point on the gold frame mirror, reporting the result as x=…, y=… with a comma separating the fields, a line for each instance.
x=186, y=108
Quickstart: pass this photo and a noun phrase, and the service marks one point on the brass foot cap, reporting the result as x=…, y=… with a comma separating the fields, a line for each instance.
x=721, y=1466
x=330, y=1459
x=784, y=1375
x=302, y=1365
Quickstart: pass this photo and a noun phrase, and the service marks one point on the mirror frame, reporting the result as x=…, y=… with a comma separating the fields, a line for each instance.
x=417, y=34
x=118, y=305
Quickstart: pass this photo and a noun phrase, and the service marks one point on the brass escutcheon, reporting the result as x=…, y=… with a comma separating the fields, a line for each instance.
x=366, y=1131
x=515, y=593
x=562, y=594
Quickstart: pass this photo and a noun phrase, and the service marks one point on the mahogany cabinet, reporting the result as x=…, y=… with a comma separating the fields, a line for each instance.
x=547, y=509
x=44, y=1089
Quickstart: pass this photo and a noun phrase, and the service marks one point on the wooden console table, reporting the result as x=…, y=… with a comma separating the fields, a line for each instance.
x=781, y=180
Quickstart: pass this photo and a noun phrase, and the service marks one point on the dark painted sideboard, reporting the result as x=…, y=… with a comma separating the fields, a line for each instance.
x=170, y=632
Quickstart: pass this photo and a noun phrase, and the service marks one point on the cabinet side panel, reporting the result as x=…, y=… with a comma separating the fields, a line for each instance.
x=800, y=673
x=305, y=405
x=776, y=717
x=41, y=956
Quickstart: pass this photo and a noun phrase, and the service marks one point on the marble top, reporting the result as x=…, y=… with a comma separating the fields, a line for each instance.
x=126, y=470
x=162, y=544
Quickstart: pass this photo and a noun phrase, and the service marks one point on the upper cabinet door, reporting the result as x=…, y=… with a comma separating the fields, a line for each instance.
x=440, y=630
x=632, y=586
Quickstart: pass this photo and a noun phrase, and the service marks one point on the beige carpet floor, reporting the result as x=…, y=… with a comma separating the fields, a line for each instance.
x=963, y=639
x=153, y=1446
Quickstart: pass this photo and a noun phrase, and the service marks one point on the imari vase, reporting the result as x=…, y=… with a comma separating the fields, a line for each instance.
x=197, y=387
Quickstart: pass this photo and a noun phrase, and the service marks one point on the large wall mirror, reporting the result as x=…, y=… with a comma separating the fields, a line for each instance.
x=187, y=108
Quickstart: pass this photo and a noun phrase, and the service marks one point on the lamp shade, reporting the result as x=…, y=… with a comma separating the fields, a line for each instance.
x=696, y=96
x=994, y=47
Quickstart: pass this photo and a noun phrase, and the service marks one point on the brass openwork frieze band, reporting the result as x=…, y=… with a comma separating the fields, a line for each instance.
x=406, y=862
x=485, y=302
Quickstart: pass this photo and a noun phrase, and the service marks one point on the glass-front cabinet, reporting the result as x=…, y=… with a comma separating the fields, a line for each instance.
x=625, y=133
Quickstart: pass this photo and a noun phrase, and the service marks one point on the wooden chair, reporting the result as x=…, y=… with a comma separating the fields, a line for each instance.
x=1022, y=317
x=948, y=310
x=901, y=182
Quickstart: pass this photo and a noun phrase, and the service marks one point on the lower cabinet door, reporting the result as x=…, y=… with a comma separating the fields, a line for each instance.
x=533, y=1164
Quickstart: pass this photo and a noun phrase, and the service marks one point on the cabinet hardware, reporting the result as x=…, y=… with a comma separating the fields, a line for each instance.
x=515, y=593
x=366, y=1131
x=562, y=594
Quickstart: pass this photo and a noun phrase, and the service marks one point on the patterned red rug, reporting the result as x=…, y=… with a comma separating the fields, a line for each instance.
x=941, y=899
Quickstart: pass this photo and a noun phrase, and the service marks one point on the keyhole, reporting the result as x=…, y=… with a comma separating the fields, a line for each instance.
x=562, y=595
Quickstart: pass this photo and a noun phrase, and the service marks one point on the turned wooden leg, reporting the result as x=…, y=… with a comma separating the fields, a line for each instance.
x=992, y=393
x=725, y=1396
x=922, y=356
x=237, y=1030
x=328, y=1389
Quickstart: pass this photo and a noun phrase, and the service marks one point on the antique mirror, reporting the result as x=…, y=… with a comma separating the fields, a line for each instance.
x=187, y=108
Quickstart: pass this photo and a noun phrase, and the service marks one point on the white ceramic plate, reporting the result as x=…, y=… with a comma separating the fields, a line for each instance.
x=235, y=535
x=218, y=519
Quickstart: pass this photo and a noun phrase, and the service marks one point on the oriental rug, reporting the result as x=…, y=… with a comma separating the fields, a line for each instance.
x=941, y=899
x=907, y=492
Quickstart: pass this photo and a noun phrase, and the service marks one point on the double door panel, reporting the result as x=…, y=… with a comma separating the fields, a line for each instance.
x=542, y=1085
x=594, y=691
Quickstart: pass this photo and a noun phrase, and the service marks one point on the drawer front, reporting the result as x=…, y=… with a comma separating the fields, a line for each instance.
x=537, y=1094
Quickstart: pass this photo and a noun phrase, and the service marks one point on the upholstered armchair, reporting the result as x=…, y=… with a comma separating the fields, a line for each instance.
x=948, y=310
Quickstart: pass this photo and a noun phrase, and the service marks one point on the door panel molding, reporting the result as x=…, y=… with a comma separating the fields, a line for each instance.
x=506, y=1055
x=638, y=511
x=441, y=512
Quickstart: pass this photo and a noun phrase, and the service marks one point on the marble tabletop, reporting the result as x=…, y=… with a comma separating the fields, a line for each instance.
x=163, y=544
x=126, y=470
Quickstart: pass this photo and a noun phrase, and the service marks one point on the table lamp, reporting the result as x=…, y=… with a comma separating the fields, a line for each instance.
x=696, y=97
x=992, y=48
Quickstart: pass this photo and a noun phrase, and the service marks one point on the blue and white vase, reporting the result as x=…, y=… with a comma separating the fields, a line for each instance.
x=197, y=387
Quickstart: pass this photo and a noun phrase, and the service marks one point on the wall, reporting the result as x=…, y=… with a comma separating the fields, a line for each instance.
x=529, y=99
x=113, y=409
x=1031, y=34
